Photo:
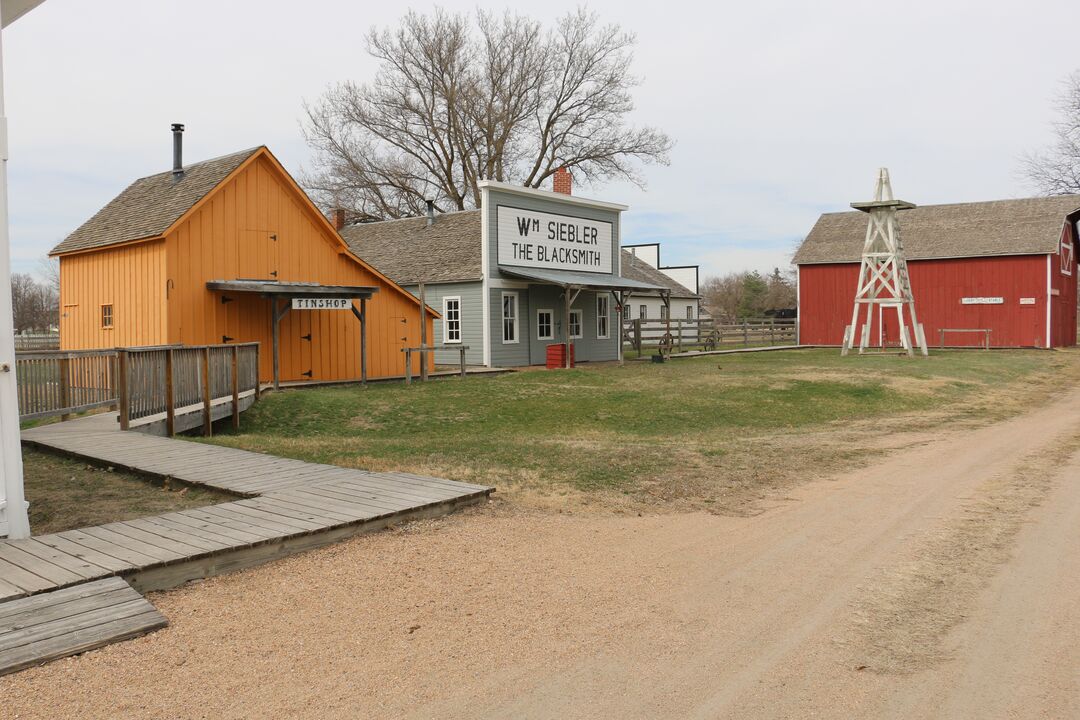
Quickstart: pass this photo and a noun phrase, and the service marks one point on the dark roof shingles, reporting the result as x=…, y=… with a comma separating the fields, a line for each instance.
x=411, y=251
x=1029, y=226
x=150, y=205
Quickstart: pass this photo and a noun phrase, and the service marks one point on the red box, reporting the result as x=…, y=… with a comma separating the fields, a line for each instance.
x=556, y=356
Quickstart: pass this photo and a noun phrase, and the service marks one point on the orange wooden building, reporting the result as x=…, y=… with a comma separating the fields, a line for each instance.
x=171, y=260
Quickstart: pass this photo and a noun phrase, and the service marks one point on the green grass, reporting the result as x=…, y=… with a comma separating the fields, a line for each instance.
x=684, y=428
x=65, y=494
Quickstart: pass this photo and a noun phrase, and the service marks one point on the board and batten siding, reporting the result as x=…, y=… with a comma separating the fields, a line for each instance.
x=826, y=292
x=532, y=297
x=131, y=278
x=254, y=225
x=472, y=319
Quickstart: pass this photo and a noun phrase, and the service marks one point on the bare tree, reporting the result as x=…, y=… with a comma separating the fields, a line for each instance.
x=1056, y=169
x=741, y=295
x=35, y=305
x=459, y=99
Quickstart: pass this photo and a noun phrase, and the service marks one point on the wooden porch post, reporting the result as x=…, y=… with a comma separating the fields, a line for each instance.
x=566, y=318
x=123, y=395
x=423, y=335
x=277, y=335
x=235, y=387
x=170, y=396
x=208, y=429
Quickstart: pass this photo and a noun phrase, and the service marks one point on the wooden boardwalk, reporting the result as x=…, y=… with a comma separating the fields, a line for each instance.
x=287, y=506
x=64, y=622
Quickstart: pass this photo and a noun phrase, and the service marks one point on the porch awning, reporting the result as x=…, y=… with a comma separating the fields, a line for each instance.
x=292, y=289
x=586, y=281
x=273, y=290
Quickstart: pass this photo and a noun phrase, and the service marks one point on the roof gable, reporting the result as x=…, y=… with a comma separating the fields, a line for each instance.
x=153, y=204
x=1030, y=226
x=411, y=251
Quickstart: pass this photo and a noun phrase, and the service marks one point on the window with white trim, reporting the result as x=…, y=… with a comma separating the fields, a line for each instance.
x=510, y=317
x=663, y=312
x=602, y=316
x=545, y=323
x=1067, y=252
x=689, y=312
x=106, y=316
x=451, y=312
x=575, y=324
x=643, y=312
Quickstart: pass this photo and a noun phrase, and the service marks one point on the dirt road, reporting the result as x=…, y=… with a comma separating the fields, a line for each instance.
x=942, y=582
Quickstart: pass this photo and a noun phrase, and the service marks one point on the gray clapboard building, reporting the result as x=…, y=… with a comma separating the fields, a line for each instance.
x=500, y=275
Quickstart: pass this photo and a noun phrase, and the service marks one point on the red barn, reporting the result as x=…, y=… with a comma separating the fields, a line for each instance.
x=1008, y=266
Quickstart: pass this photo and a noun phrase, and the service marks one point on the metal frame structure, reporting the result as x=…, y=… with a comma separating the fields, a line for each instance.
x=883, y=274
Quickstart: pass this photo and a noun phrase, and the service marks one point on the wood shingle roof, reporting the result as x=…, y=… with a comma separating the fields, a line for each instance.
x=410, y=251
x=1030, y=226
x=150, y=205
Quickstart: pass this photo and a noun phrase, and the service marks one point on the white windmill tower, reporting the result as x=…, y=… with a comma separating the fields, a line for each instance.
x=883, y=276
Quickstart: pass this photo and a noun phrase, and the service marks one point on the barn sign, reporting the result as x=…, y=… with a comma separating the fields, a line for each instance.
x=982, y=301
x=321, y=303
x=527, y=238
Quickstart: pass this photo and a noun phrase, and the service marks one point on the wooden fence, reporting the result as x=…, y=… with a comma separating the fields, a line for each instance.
x=185, y=379
x=141, y=382
x=680, y=335
x=63, y=382
x=41, y=341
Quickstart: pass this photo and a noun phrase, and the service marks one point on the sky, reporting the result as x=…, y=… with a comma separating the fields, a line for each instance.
x=780, y=111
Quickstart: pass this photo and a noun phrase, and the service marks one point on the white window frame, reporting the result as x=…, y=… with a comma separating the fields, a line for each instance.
x=516, y=318
x=580, y=323
x=663, y=312
x=643, y=312
x=1067, y=250
x=606, y=316
x=550, y=324
x=447, y=340
x=689, y=312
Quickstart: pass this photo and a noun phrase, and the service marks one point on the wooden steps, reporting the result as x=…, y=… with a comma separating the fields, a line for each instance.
x=72, y=620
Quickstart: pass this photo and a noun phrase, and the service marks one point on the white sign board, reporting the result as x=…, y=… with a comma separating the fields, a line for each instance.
x=527, y=238
x=1027, y=301
x=982, y=301
x=321, y=303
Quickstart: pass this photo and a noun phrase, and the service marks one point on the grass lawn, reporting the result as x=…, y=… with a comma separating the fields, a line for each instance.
x=713, y=432
x=65, y=494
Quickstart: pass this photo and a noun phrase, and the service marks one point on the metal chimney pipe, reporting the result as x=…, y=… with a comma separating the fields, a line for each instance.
x=177, y=149
x=430, y=213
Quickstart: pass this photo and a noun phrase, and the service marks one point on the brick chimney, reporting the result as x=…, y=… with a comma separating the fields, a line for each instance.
x=563, y=182
x=337, y=217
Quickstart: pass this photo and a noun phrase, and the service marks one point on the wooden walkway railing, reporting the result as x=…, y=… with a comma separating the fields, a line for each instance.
x=64, y=382
x=678, y=335
x=160, y=380
x=40, y=341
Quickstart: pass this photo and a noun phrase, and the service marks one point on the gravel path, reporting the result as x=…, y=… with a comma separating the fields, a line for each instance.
x=503, y=612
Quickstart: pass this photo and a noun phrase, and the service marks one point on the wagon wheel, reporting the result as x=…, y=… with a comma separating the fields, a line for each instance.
x=666, y=343
x=712, y=340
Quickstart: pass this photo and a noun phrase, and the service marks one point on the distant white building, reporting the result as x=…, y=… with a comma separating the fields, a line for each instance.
x=642, y=263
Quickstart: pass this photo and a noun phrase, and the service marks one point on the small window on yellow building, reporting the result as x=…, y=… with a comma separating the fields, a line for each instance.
x=106, y=316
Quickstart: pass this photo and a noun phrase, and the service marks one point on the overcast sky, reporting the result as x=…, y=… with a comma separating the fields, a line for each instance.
x=780, y=111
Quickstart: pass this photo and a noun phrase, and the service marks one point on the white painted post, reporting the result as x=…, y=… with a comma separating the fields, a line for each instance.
x=14, y=522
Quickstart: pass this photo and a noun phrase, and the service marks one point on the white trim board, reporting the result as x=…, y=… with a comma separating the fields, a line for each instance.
x=546, y=195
